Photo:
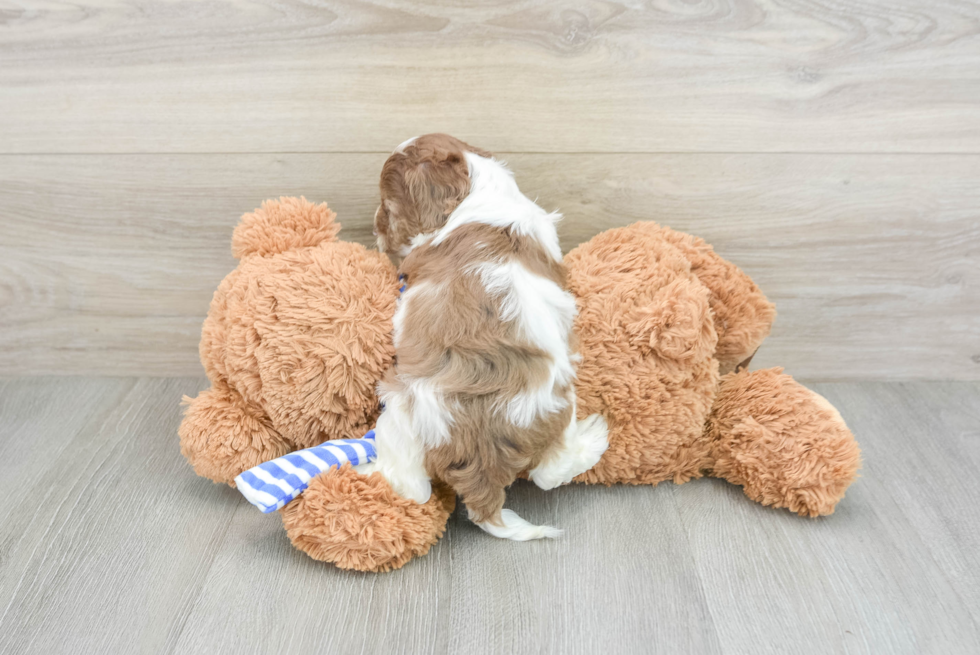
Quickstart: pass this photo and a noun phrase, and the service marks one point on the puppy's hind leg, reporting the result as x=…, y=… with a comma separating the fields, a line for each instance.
x=401, y=457
x=584, y=443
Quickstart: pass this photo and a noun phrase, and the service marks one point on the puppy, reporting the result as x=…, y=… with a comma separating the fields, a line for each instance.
x=483, y=385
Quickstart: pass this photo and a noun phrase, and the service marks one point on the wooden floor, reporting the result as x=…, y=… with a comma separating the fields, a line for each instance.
x=110, y=544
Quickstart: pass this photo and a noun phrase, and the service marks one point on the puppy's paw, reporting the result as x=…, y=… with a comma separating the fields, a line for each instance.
x=585, y=443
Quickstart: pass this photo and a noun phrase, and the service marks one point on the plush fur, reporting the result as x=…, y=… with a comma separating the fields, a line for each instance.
x=661, y=316
x=785, y=445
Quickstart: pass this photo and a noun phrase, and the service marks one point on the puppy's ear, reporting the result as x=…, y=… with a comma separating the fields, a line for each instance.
x=381, y=227
x=436, y=186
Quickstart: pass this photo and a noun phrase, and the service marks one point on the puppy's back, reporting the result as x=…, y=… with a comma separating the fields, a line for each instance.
x=482, y=341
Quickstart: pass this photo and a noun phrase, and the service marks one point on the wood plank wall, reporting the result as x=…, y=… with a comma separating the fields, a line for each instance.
x=831, y=149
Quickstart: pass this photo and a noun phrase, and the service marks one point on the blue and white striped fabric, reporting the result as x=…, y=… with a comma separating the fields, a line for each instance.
x=270, y=485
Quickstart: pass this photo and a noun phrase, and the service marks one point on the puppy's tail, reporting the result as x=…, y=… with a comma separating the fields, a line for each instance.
x=484, y=494
x=511, y=526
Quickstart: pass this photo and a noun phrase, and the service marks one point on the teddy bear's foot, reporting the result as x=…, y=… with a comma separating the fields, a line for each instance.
x=221, y=437
x=784, y=444
x=358, y=522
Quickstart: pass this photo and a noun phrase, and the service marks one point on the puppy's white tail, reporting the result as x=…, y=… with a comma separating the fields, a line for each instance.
x=517, y=529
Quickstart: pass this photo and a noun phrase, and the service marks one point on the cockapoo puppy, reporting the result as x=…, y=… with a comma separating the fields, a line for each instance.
x=483, y=385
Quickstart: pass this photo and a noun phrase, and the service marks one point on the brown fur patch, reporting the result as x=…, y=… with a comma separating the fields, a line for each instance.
x=487, y=452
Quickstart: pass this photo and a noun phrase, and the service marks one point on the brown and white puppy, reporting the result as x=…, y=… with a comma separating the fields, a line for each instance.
x=483, y=386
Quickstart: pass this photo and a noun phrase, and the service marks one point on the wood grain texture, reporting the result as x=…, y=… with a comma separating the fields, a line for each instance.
x=110, y=544
x=107, y=539
x=131, y=76
x=108, y=263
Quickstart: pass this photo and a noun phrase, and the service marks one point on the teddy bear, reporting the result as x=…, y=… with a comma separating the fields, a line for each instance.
x=298, y=336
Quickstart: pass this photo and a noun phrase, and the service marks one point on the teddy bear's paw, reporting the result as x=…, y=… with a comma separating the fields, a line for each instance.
x=221, y=437
x=358, y=522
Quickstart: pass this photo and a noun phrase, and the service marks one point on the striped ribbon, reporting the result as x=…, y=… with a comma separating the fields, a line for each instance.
x=270, y=485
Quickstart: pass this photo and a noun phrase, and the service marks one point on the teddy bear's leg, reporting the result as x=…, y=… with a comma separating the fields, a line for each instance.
x=784, y=444
x=221, y=435
x=358, y=522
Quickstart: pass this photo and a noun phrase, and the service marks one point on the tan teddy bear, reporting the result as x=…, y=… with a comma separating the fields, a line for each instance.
x=299, y=334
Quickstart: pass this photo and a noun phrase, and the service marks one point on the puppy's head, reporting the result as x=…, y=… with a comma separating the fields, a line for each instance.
x=422, y=182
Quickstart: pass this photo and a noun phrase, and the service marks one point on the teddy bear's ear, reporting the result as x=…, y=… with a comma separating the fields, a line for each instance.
x=675, y=322
x=284, y=224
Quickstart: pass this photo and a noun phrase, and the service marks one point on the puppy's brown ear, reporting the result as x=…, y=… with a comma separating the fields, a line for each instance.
x=436, y=186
